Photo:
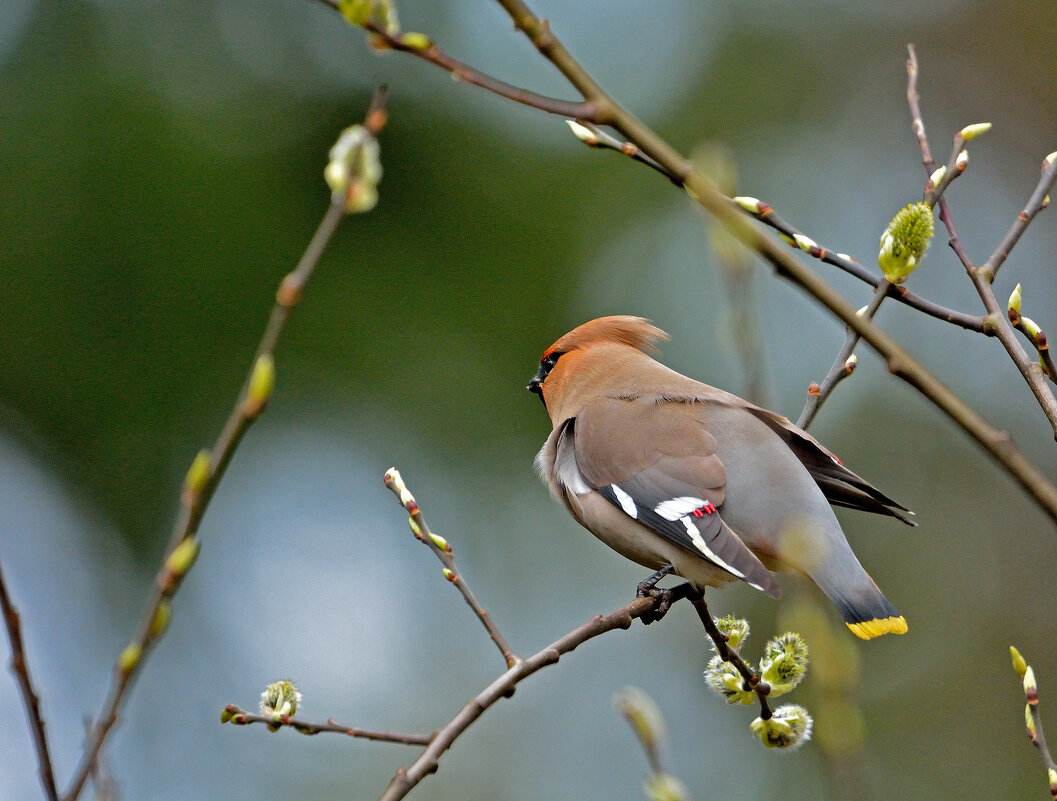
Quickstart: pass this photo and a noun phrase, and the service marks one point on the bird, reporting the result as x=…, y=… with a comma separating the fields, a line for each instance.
x=682, y=477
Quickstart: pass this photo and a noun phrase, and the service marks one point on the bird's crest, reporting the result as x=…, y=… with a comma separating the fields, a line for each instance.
x=637, y=332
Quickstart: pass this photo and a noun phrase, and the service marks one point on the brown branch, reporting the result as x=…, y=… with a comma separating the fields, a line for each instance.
x=428, y=51
x=1036, y=203
x=766, y=214
x=982, y=277
x=194, y=503
x=30, y=699
x=842, y=366
x=1033, y=716
x=728, y=654
x=443, y=551
x=502, y=687
x=241, y=717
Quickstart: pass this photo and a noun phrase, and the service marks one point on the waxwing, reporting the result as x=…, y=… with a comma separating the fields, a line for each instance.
x=672, y=472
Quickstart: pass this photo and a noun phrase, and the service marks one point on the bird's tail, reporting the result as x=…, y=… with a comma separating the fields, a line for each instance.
x=865, y=610
x=831, y=564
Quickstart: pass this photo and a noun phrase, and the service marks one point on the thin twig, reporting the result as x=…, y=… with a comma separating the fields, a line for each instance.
x=194, y=504
x=241, y=717
x=30, y=699
x=842, y=365
x=429, y=760
x=1036, y=203
x=766, y=214
x=1038, y=339
x=982, y=277
x=443, y=551
x=728, y=654
x=1033, y=716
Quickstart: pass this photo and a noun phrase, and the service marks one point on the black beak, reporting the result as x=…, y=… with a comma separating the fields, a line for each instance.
x=536, y=385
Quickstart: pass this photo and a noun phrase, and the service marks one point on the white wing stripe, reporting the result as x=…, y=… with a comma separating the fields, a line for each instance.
x=626, y=502
x=675, y=508
x=699, y=543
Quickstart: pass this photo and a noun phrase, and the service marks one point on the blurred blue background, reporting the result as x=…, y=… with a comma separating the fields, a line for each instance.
x=161, y=170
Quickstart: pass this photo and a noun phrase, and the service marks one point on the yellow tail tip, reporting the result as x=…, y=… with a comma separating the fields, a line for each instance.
x=868, y=629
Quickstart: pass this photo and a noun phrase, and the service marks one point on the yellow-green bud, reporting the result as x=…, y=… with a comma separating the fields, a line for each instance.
x=1030, y=327
x=784, y=662
x=354, y=170
x=262, y=383
x=736, y=630
x=355, y=12
x=970, y=132
x=198, y=473
x=790, y=727
x=1019, y=665
x=1051, y=775
x=439, y=542
x=938, y=176
x=280, y=699
x=183, y=556
x=449, y=574
x=416, y=529
x=160, y=622
x=643, y=715
x=1029, y=721
x=226, y=714
x=750, y=204
x=1030, y=688
x=805, y=243
x=583, y=133
x=129, y=658
x=904, y=242
x=664, y=787
x=416, y=41
x=1014, y=305
x=724, y=678
x=395, y=482
x=962, y=161
x=1046, y=162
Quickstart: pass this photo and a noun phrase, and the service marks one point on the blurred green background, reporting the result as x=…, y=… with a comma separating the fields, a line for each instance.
x=161, y=169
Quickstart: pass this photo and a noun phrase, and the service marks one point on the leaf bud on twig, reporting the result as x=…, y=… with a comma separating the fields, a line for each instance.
x=129, y=658
x=938, y=176
x=583, y=133
x=1013, y=305
x=261, y=385
x=183, y=556
x=970, y=132
x=1019, y=665
x=354, y=170
x=962, y=161
x=750, y=204
x=642, y=713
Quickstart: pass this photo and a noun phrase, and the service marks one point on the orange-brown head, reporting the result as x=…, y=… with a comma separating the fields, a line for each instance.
x=566, y=357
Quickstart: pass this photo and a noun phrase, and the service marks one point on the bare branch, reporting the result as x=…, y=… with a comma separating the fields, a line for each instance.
x=240, y=717
x=247, y=409
x=982, y=277
x=30, y=699
x=443, y=551
x=428, y=761
x=843, y=365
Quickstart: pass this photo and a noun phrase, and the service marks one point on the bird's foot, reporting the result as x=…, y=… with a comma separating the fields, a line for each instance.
x=665, y=597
